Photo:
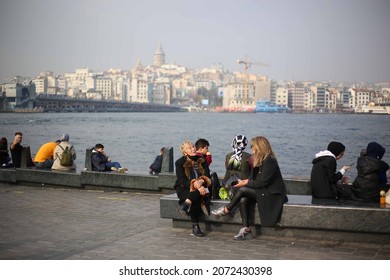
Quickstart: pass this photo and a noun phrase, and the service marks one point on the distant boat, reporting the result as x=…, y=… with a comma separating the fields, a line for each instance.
x=269, y=107
x=372, y=108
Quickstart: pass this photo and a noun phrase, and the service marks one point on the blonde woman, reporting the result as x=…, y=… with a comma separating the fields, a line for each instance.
x=265, y=187
x=192, y=184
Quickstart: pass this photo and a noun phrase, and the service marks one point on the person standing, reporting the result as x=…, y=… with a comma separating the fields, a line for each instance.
x=59, y=155
x=44, y=157
x=323, y=177
x=264, y=187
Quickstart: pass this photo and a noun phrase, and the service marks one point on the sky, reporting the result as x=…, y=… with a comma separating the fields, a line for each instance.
x=301, y=40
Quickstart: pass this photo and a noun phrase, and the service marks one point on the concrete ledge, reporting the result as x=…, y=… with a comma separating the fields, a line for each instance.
x=162, y=182
x=300, y=218
x=298, y=186
x=92, y=179
x=8, y=175
x=47, y=177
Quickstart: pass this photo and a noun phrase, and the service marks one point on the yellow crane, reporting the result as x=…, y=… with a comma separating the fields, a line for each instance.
x=247, y=65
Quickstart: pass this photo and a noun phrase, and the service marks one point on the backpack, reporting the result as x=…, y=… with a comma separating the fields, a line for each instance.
x=66, y=158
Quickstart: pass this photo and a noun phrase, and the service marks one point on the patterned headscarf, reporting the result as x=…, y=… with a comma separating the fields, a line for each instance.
x=239, y=144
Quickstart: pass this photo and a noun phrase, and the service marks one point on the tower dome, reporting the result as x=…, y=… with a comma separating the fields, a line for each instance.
x=159, y=56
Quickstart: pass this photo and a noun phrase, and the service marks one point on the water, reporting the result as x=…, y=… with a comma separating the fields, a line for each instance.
x=134, y=139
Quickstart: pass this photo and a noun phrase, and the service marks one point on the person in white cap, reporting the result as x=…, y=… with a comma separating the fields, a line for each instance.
x=61, y=160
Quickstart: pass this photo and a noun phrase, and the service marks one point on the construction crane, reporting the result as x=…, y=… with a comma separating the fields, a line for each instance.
x=247, y=65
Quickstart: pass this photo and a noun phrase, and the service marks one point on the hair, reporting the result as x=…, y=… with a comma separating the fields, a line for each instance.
x=99, y=146
x=261, y=150
x=162, y=150
x=3, y=143
x=18, y=133
x=184, y=145
x=201, y=143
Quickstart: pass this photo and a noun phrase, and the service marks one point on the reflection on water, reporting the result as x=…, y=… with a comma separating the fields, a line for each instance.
x=134, y=139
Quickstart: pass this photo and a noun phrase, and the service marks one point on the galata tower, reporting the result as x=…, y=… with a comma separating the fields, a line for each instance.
x=159, y=56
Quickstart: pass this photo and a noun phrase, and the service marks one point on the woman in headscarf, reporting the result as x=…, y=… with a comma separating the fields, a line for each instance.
x=238, y=163
x=265, y=186
x=371, y=178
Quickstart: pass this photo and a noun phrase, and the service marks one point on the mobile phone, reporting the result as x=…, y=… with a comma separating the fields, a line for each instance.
x=351, y=164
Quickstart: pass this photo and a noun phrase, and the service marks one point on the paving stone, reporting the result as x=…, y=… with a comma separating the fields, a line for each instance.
x=59, y=224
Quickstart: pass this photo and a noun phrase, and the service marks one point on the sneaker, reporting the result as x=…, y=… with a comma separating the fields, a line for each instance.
x=184, y=209
x=122, y=170
x=114, y=169
x=196, y=231
x=219, y=212
x=243, y=234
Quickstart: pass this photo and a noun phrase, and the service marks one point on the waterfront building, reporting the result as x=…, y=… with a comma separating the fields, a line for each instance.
x=104, y=85
x=281, y=97
x=161, y=91
x=18, y=95
x=298, y=97
x=361, y=97
x=262, y=90
x=139, y=90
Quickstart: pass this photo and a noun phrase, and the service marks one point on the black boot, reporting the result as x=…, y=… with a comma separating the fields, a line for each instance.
x=196, y=230
x=184, y=209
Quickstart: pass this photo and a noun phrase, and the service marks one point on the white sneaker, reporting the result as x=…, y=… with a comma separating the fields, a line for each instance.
x=122, y=170
x=114, y=169
x=243, y=234
x=219, y=212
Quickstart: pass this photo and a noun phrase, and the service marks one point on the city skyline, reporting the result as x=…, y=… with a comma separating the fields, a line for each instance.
x=303, y=40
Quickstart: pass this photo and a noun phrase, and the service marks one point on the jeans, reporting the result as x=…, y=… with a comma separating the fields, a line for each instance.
x=46, y=164
x=110, y=164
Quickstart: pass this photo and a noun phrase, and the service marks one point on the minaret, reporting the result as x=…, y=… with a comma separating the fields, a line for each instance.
x=159, y=56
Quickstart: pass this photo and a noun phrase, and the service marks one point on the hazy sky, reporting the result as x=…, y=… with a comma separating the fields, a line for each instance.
x=339, y=40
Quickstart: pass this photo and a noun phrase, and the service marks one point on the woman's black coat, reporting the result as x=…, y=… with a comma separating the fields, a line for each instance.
x=270, y=191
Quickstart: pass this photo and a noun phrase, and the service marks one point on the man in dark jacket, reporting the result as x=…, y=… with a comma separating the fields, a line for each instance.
x=101, y=162
x=371, y=177
x=324, y=178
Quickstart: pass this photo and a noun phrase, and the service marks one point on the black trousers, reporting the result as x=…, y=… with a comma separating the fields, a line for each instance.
x=246, y=199
x=196, y=199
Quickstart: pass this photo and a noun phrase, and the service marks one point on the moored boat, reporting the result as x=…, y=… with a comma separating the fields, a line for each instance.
x=372, y=108
x=269, y=107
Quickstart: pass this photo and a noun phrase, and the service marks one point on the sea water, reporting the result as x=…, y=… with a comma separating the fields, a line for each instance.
x=135, y=139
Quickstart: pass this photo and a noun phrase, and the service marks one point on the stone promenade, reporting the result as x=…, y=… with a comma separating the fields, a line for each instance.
x=62, y=224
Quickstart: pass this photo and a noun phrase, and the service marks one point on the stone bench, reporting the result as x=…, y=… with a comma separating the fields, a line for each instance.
x=166, y=167
x=43, y=177
x=126, y=182
x=302, y=217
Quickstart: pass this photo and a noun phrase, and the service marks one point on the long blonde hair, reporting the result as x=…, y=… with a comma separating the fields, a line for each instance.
x=261, y=150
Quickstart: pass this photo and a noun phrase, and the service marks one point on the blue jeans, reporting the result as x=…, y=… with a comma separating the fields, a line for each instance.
x=110, y=164
x=46, y=164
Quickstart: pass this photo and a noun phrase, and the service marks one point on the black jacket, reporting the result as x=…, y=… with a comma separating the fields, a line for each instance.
x=368, y=183
x=270, y=191
x=324, y=178
x=184, y=174
x=98, y=161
